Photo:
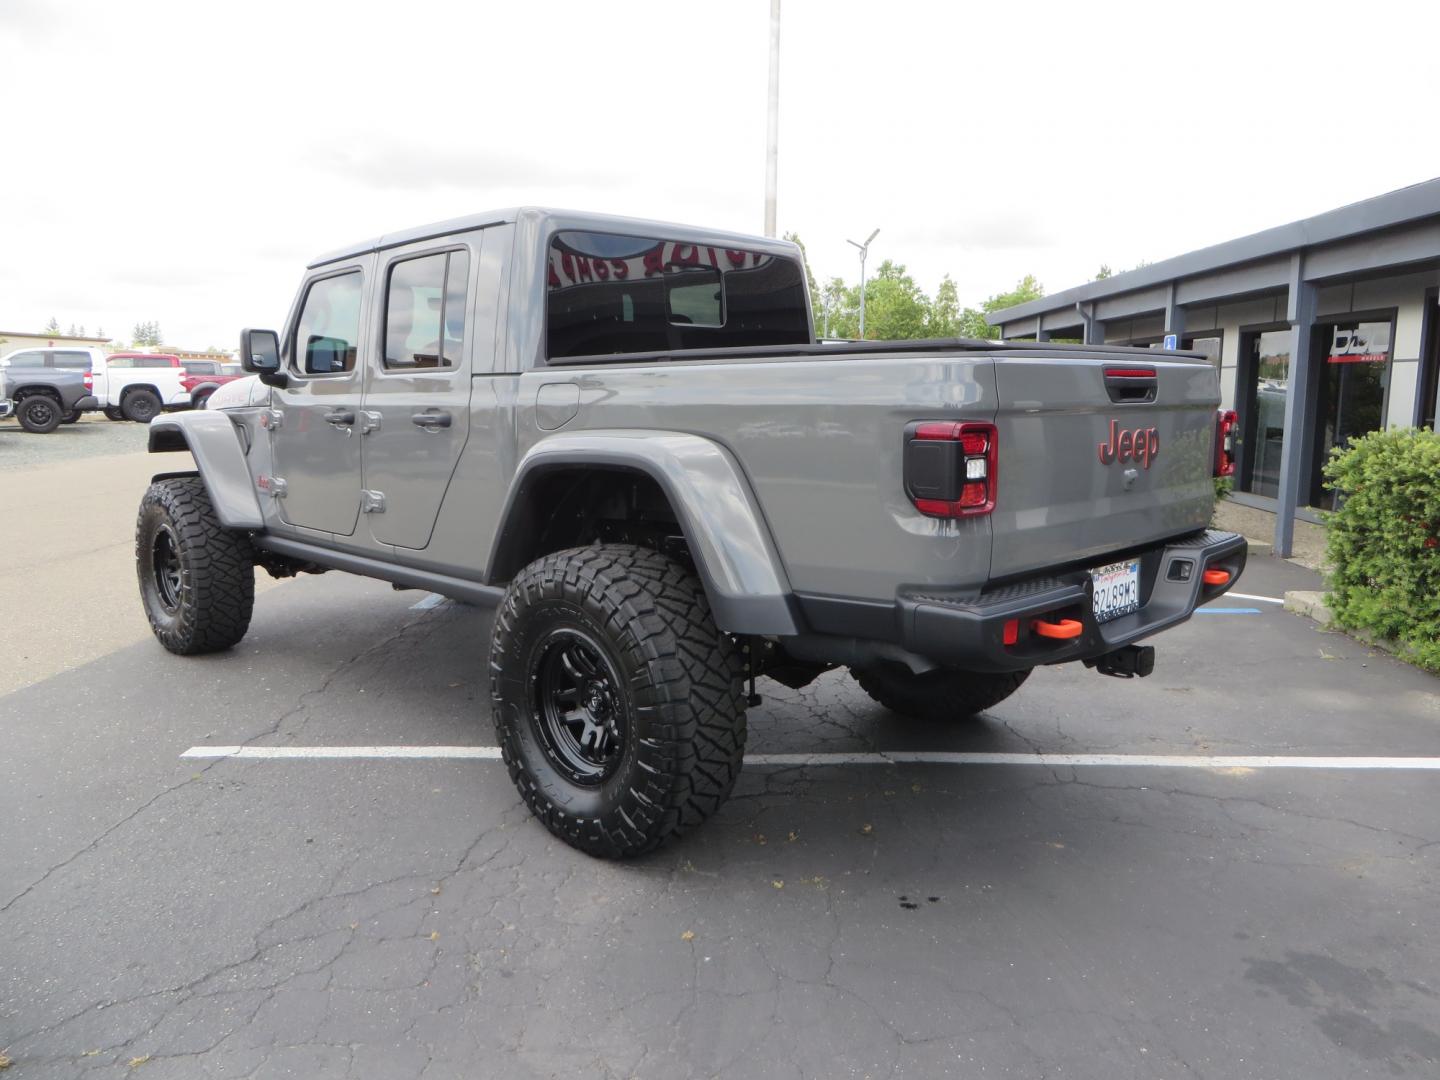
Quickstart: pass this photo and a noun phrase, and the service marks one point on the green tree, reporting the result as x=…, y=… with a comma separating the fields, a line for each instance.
x=895, y=307
x=972, y=322
x=1104, y=272
x=943, y=318
x=53, y=326
x=837, y=310
x=148, y=333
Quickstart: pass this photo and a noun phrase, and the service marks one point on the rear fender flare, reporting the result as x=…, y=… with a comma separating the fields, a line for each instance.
x=744, y=580
x=214, y=443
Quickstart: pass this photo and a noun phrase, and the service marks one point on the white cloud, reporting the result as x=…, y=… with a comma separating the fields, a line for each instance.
x=180, y=162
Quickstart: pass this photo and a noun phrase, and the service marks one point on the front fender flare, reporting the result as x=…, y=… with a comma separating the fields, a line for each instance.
x=744, y=580
x=214, y=443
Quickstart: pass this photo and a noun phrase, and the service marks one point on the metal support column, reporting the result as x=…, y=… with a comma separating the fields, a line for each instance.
x=1174, y=317
x=1094, y=328
x=772, y=120
x=1300, y=313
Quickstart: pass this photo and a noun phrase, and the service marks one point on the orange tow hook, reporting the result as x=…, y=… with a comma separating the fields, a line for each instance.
x=1062, y=630
x=1216, y=577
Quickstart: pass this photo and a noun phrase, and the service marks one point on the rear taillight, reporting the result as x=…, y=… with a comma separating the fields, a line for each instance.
x=1225, y=422
x=950, y=468
x=89, y=381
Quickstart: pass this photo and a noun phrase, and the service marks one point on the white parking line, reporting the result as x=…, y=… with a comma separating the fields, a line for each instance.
x=893, y=757
x=1252, y=596
x=484, y=753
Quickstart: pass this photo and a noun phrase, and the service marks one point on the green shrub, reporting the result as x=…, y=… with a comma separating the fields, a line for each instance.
x=1223, y=486
x=1384, y=540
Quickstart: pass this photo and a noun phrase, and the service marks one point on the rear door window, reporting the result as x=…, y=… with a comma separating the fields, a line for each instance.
x=425, y=311
x=609, y=294
x=26, y=360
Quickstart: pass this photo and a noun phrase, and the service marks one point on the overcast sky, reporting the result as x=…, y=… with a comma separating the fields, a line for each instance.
x=160, y=160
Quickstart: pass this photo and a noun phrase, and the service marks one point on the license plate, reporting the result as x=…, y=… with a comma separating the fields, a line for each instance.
x=1117, y=590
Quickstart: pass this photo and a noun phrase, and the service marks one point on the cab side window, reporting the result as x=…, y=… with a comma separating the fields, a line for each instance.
x=327, y=336
x=425, y=311
x=27, y=360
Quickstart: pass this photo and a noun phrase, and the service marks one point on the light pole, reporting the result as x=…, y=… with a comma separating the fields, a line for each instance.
x=864, y=250
x=772, y=126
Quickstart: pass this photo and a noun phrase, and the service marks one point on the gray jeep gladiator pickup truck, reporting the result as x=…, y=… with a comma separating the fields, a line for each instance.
x=623, y=436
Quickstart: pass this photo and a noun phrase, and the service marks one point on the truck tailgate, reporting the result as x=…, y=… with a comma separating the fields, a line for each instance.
x=1099, y=454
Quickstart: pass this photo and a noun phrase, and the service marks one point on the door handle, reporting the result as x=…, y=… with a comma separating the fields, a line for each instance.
x=430, y=420
x=341, y=417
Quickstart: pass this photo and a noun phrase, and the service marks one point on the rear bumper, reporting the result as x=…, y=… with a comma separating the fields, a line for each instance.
x=967, y=630
x=88, y=403
x=6, y=407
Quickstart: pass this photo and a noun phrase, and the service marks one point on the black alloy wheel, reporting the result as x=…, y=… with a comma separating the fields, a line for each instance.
x=166, y=574
x=579, y=710
x=141, y=406
x=40, y=414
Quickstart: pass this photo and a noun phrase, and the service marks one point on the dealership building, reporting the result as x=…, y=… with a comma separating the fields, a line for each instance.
x=1322, y=330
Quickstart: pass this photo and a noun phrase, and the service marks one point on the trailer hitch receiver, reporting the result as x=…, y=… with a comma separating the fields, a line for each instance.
x=1132, y=661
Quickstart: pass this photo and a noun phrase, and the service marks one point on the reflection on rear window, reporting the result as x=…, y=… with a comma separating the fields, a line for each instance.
x=611, y=294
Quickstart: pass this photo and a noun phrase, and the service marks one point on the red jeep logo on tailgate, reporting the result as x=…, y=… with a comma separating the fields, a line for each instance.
x=1141, y=444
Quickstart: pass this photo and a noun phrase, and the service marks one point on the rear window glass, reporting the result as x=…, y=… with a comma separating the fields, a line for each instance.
x=200, y=367
x=611, y=294
x=26, y=360
x=71, y=361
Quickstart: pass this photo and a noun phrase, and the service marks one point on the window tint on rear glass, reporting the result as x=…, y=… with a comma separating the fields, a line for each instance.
x=327, y=336
x=425, y=311
x=612, y=294
x=71, y=361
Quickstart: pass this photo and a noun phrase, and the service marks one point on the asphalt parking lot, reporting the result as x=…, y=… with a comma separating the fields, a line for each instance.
x=896, y=904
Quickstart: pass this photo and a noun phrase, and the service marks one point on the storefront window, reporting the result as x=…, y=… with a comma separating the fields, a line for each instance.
x=1265, y=427
x=1354, y=369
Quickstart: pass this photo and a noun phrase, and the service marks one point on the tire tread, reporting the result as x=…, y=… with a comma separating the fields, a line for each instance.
x=656, y=609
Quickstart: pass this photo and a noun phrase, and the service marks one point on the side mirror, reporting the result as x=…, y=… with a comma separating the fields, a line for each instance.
x=260, y=354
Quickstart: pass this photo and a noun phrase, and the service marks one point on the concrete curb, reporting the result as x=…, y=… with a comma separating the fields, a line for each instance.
x=1312, y=605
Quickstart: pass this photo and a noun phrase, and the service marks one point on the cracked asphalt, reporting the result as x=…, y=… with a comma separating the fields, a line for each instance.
x=404, y=919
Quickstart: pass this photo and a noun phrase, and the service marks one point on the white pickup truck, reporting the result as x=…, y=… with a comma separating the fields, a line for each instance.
x=127, y=385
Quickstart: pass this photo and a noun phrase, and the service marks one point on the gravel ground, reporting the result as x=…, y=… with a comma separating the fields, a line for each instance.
x=93, y=436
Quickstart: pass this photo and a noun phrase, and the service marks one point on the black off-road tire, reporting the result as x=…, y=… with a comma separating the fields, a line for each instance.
x=39, y=414
x=112, y=412
x=942, y=695
x=678, y=702
x=197, y=579
x=142, y=406
x=72, y=417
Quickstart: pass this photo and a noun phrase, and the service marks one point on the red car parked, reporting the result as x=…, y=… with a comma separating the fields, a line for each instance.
x=203, y=377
